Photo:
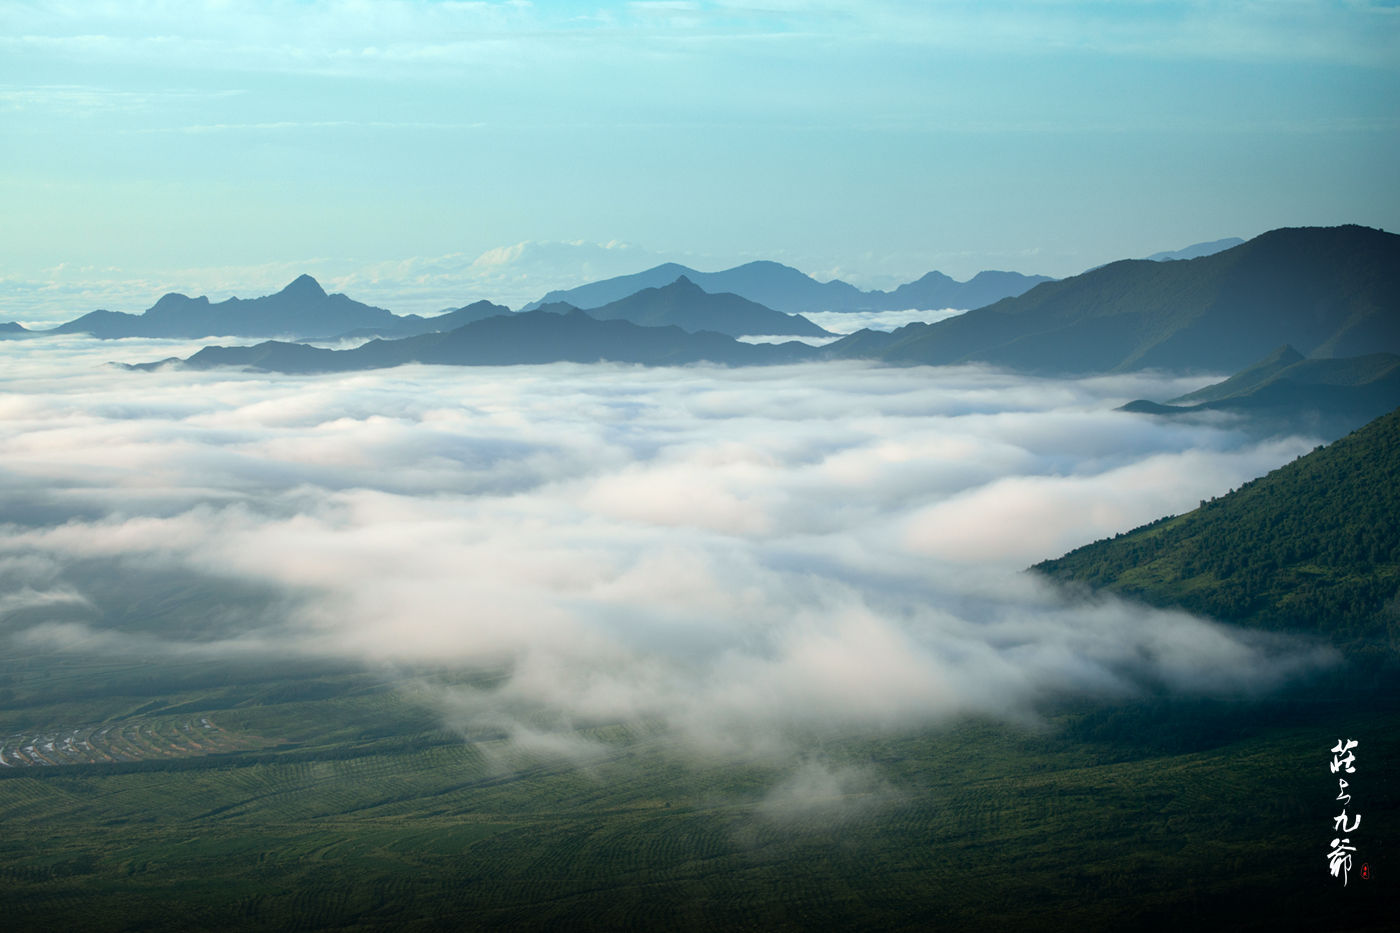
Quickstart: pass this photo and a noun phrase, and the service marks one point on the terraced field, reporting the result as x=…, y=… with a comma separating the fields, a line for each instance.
x=142, y=739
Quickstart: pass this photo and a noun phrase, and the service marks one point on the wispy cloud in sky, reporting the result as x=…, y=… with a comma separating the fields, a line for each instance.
x=884, y=139
x=346, y=35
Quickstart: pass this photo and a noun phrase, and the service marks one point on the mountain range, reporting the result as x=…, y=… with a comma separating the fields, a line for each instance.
x=686, y=305
x=411, y=325
x=302, y=308
x=539, y=336
x=1331, y=295
x=1329, y=292
x=303, y=311
x=785, y=289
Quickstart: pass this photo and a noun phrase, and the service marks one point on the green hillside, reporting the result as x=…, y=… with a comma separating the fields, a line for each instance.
x=1313, y=547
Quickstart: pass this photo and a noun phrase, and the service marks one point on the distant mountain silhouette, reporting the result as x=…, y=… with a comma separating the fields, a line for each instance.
x=1197, y=250
x=524, y=337
x=301, y=309
x=785, y=289
x=13, y=329
x=411, y=325
x=1285, y=393
x=937, y=290
x=467, y=314
x=689, y=307
x=1329, y=292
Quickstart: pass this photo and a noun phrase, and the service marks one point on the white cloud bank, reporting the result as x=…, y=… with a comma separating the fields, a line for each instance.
x=744, y=557
x=848, y=322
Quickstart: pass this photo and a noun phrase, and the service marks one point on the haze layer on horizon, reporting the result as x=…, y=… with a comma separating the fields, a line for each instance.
x=420, y=155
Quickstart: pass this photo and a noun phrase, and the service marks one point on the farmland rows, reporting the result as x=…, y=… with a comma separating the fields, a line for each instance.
x=142, y=739
x=367, y=815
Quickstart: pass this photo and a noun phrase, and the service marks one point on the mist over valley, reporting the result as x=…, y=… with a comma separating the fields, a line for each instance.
x=699, y=465
x=666, y=541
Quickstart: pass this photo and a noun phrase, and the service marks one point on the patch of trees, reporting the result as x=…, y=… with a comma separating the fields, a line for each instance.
x=1312, y=547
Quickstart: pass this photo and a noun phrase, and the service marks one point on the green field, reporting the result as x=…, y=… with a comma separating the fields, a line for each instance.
x=277, y=796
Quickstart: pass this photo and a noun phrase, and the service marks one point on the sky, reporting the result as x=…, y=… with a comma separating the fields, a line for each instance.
x=420, y=155
x=751, y=559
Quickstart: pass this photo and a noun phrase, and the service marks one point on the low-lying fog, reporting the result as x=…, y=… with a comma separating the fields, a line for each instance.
x=842, y=323
x=742, y=556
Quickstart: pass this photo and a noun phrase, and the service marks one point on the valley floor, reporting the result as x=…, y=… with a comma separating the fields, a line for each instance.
x=334, y=802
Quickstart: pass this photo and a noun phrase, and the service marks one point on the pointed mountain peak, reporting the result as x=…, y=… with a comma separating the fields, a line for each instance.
x=683, y=284
x=1284, y=354
x=303, y=286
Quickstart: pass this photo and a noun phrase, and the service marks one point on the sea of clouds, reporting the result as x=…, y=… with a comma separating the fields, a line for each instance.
x=744, y=558
x=842, y=323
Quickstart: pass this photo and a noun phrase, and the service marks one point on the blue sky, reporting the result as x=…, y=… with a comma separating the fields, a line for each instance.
x=424, y=154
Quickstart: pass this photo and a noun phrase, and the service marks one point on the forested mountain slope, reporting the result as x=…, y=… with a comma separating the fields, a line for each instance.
x=1313, y=547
